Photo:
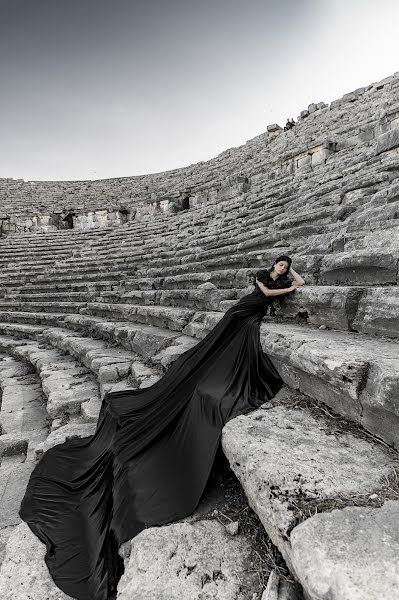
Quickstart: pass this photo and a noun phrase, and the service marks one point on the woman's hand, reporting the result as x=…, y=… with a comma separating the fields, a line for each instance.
x=296, y=276
x=296, y=284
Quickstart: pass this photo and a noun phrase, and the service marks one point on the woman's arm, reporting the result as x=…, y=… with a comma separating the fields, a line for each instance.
x=297, y=277
x=267, y=292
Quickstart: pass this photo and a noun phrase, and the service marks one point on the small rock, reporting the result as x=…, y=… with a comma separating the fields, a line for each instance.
x=232, y=528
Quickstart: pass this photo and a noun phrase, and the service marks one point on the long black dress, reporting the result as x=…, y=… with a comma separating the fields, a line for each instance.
x=151, y=455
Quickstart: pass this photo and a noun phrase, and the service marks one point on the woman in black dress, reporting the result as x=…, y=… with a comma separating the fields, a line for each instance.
x=151, y=455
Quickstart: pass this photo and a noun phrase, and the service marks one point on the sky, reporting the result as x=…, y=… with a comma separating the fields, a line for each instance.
x=92, y=89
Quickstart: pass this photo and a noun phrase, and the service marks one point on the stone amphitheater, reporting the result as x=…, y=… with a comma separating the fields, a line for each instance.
x=103, y=284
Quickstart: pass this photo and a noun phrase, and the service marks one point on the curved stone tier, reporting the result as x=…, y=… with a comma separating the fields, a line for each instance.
x=360, y=126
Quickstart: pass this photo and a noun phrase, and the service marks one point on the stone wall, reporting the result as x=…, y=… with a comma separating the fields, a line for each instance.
x=366, y=119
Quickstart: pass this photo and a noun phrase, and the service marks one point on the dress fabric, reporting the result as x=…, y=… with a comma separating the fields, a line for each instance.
x=151, y=455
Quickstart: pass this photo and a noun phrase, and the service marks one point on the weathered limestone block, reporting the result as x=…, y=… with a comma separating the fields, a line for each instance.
x=14, y=476
x=66, y=432
x=331, y=306
x=304, y=162
x=65, y=393
x=172, y=318
x=168, y=355
x=284, y=457
x=90, y=410
x=11, y=368
x=202, y=323
x=356, y=268
x=378, y=312
x=113, y=372
x=4, y=536
x=350, y=553
x=144, y=339
x=387, y=141
x=383, y=240
x=356, y=380
x=12, y=404
x=14, y=443
x=140, y=372
x=274, y=128
x=24, y=574
x=149, y=381
x=22, y=407
x=221, y=279
x=379, y=398
x=204, y=298
x=190, y=561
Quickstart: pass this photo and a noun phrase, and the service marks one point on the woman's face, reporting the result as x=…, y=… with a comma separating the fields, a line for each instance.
x=281, y=267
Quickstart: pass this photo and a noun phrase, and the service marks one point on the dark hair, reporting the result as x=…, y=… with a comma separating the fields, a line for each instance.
x=282, y=277
x=286, y=259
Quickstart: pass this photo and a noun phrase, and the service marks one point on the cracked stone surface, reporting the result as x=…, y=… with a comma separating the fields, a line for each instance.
x=187, y=561
x=284, y=456
x=23, y=573
x=349, y=554
x=356, y=375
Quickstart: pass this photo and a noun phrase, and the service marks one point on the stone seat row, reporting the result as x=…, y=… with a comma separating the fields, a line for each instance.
x=378, y=165
x=51, y=254
x=217, y=246
x=328, y=359
x=153, y=227
x=333, y=263
x=372, y=310
x=317, y=243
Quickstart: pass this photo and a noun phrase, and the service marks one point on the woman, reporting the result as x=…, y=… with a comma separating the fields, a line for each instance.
x=151, y=455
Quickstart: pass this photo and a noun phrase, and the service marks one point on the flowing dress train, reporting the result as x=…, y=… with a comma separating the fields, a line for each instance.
x=151, y=455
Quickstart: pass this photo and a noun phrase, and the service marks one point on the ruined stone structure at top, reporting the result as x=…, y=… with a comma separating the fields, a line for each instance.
x=363, y=124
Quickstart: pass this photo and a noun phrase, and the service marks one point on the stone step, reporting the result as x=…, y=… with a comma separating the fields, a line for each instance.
x=72, y=286
x=13, y=481
x=38, y=318
x=166, y=317
x=357, y=375
x=20, y=280
x=356, y=372
x=207, y=298
x=23, y=426
x=21, y=329
x=86, y=265
x=341, y=268
x=50, y=307
x=322, y=489
x=70, y=388
x=371, y=310
x=157, y=346
x=109, y=364
x=55, y=297
x=353, y=308
x=124, y=249
x=23, y=416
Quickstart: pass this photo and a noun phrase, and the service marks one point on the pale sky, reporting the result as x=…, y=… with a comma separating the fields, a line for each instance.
x=92, y=89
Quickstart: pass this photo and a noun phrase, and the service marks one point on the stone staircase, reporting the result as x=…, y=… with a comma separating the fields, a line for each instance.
x=83, y=312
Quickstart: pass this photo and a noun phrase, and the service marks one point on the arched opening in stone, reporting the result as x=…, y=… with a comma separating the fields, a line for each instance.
x=185, y=204
x=124, y=215
x=69, y=220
